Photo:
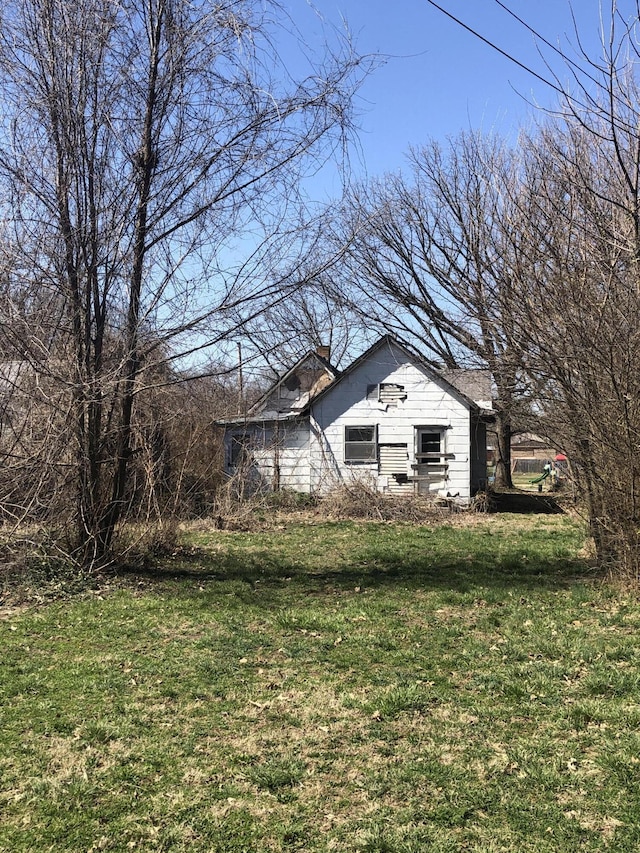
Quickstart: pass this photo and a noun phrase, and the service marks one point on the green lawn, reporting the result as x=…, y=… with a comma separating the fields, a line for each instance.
x=330, y=687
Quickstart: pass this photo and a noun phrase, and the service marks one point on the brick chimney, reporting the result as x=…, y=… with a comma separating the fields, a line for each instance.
x=324, y=352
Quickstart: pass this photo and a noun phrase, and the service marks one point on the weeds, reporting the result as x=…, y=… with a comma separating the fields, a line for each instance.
x=33, y=569
x=361, y=502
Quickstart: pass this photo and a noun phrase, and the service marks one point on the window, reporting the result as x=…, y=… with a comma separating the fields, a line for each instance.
x=360, y=444
x=430, y=444
x=239, y=453
x=292, y=383
x=388, y=393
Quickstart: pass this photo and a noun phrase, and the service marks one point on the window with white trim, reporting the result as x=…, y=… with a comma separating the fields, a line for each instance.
x=430, y=444
x=360, y=444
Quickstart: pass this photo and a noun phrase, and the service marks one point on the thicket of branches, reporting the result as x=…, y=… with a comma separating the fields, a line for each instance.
x=150, y=153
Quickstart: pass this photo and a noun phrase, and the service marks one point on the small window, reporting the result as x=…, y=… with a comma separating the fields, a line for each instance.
x=388, y=393
x=430, y=443
x=430, y=446
x=360, y=444
x=239, y=451
x=292, y=383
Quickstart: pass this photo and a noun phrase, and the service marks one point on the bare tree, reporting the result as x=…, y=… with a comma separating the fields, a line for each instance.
x=145, y=146
x=311, y=318
x=577, y=240
x=576, y=323
x=575, y=250
x=429, y=260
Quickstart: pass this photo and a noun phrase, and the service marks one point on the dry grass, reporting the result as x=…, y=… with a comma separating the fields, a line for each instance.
x=361, y=502
x=354, y=687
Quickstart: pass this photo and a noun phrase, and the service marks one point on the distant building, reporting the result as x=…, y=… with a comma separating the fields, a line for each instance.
x=529, y=452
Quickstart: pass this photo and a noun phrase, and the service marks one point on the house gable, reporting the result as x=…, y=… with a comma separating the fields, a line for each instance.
x=377, y=368
x=291, y=393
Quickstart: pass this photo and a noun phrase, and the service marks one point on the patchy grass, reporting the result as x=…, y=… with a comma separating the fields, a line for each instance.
x=375, y=688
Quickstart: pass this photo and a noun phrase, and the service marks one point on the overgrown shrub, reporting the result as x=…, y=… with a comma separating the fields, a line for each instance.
x=360, y=501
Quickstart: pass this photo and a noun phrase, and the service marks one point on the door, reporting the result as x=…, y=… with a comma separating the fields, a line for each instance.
x=430, y=465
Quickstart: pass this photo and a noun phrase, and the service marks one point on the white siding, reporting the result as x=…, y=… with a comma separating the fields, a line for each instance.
x=293, y=458
x=308, y=454
x=428, y=403
x=279, y=453
x=394, y=466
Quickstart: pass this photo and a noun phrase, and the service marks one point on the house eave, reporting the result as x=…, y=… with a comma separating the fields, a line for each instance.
x=486, y=416
x=260, y=419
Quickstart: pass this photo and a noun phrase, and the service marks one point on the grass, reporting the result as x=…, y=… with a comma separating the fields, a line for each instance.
x=525, y=482
x=375, y=688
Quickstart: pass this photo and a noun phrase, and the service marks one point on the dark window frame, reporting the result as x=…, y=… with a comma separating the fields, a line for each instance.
x=360, y=450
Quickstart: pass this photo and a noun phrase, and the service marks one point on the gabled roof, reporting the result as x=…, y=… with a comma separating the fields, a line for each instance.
x=446, y=379
x=474, y=383
x=389, y=340
x=329, y=369
x=259, y=411
x=530, y=439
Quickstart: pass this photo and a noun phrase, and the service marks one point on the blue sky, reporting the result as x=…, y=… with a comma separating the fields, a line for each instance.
x=438, y=79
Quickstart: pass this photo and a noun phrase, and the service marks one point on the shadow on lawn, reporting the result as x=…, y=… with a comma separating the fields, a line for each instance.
x=371, y=568
x=521, y=502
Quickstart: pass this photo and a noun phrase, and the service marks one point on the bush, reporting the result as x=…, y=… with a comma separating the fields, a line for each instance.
x=361, y=501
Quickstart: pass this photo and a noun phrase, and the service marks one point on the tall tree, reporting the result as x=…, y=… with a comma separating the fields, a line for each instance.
x=143, y=146
x=578, y=271
x=576, y=323
x=311, y=318
x=429, y=259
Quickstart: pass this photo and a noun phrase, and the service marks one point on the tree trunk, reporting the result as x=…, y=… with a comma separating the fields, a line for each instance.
x=503, y=478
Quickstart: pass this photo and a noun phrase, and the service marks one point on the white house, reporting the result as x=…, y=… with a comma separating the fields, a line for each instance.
x=389, y=419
